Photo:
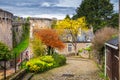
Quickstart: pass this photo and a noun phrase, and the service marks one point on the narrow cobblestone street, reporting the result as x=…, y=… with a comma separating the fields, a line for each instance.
x=75, y=69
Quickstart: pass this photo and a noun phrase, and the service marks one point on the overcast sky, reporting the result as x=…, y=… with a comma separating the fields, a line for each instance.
x=44, y=8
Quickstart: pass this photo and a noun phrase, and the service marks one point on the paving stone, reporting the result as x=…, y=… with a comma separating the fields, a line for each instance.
x=76, y=69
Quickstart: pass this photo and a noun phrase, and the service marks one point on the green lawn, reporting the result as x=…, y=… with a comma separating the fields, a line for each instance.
x=21, y=47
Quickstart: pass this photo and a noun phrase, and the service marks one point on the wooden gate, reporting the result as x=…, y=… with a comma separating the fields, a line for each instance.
x=108, y=63
x=115, y=66
x=112, y=66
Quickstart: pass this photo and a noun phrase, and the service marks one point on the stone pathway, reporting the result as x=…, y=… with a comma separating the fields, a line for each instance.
x=75, y=69
x=8, y=72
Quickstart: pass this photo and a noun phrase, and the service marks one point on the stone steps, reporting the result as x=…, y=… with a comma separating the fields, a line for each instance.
x=27, y=76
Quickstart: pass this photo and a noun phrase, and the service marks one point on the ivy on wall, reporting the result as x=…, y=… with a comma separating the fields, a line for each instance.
x=14, y=39
x=25, y=33
x=24, y=39
x=26, y=30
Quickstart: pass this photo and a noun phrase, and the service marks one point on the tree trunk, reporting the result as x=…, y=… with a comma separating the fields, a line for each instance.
x=4, y=66
x=15, y=62
x=49, y=50
x=75, y=48
x=89, y=54
x=52, y=50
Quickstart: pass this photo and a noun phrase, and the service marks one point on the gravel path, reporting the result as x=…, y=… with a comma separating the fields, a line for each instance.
x=75, y=69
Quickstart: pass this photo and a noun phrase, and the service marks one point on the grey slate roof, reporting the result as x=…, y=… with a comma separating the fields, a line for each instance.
x=113, y=42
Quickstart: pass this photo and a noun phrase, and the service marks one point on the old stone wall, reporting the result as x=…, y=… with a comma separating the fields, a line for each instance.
x=17, y=34
x=80, y=45
x=39, y=23
x=6, y=27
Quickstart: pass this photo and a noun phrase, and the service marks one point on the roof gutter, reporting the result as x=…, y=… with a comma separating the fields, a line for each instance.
x=115, y=47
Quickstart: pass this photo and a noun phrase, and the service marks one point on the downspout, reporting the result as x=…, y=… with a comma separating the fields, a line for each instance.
x=105, y=61
x=119, y=39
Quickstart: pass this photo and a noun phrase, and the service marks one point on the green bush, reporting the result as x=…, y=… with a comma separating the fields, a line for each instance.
x=44, y=63
x=5, y=53
x=88, y=48
x=47, y=59
x=38, y=47
x=59, y=59
x=36, y=65
x=21, y=47
x=80, y=51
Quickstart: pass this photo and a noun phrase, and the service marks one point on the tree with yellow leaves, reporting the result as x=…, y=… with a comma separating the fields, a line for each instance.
x=73, y=28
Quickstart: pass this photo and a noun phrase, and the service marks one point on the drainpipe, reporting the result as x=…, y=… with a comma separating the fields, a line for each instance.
x=119, y=40
x=105, y=61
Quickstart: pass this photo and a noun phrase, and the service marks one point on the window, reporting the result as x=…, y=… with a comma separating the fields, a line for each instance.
x=16, y=29
x=69, y=47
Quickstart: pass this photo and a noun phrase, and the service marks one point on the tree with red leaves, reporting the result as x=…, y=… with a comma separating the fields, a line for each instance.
x=50, y=38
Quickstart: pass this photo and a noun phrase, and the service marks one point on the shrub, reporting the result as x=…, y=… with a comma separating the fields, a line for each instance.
x=88, y=49
x=23, y=64
x=59, y=59
x=80, y=51
x=5, y=53
x=38, y=47
x=47, y=59
x=101, y=36
x=44, y=63
x=36, y=65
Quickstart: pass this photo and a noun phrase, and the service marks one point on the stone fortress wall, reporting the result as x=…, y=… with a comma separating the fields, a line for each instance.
x=6, y=27
x=17, y=28
x=10, y=26
x=39, y=23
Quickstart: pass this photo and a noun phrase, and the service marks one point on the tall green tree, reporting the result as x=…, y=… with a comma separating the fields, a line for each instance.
x=97, y=12
x=67, y=17
x=5, y=55
x=4, y=52
x=54, y=21
x=113, y=22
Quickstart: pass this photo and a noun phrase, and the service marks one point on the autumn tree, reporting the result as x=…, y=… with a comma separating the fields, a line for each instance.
x=50, y=38
x=72, y=27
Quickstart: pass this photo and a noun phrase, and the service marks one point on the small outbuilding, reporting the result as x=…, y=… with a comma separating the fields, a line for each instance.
x=112, y=59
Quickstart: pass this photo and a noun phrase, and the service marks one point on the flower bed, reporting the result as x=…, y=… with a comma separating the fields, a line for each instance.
x=45, y=63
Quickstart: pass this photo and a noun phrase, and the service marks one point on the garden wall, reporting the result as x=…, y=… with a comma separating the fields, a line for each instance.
x=80, y=45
